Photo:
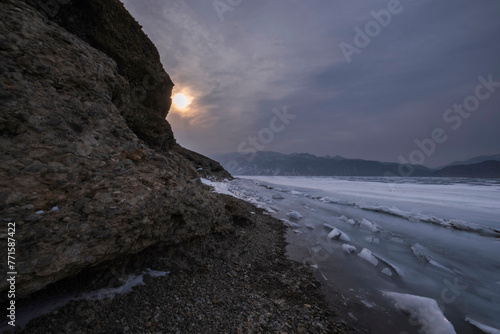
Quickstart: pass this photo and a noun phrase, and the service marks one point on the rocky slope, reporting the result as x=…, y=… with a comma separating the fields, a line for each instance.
x=89, y=167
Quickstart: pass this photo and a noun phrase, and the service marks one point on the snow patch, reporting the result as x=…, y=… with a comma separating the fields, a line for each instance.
x=34, y=310
x=218, y=187
x=128, y=285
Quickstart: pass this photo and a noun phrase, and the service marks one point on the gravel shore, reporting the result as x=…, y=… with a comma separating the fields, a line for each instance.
x=237, y=282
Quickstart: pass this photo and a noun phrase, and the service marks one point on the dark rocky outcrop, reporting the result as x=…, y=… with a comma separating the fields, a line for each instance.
x=108, y=27
x=89, y=167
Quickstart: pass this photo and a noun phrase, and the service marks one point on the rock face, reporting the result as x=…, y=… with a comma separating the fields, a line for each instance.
x=89, y=167
x=107, y=26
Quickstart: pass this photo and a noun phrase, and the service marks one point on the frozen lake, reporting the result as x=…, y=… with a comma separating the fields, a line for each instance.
x=428, y=247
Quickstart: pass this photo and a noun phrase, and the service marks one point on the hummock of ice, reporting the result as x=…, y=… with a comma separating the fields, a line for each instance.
x=277, y=196
x=348, y=249
x=485, y=328
x=394, y=267
x=387, y=271
x=290, y=224
x=365, y=223
x=422, y=253
x=367, y=255
x=424, y=310
x=337, y=234
x=294, y=215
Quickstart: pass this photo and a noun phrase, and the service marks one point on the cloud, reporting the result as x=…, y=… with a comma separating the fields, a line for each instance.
x=267, y=54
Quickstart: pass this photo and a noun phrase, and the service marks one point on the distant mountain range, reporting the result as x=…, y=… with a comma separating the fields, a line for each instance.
x=475, y=160
x=304, y=164
x=489, y=168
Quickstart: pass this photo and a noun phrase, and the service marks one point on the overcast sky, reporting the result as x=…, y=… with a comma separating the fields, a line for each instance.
x=356, y=83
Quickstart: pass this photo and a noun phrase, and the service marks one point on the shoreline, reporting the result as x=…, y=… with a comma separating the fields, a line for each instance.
x=237, y=282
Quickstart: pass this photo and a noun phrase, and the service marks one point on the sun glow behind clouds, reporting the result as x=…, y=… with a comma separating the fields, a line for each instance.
x=180, y=101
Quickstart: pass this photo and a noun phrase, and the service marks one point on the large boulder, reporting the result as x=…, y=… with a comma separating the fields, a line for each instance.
x=89, y=170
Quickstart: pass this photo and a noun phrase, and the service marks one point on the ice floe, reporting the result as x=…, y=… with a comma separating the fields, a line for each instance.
x=337, y=234
x=288, y=223
x=367, y=255
x=294, y=215
x=424, y=254
x=423, y=310
x=348, y=249
x=371, y=226
x=484, y=328
x=387, y=271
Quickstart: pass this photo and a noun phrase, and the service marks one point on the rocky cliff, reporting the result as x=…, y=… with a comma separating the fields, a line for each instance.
x=89, y=167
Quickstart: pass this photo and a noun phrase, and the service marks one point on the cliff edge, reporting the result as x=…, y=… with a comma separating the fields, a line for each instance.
x=89, y=167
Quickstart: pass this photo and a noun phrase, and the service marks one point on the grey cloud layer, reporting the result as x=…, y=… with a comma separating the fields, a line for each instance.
x=267, y=54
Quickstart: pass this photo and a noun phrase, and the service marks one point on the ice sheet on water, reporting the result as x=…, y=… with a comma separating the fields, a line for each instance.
x=424, y=254
x=394, y=267
x=298, y=193
x=367, y=255
x=484, y=328
x=456, y=224
x=425, y=310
